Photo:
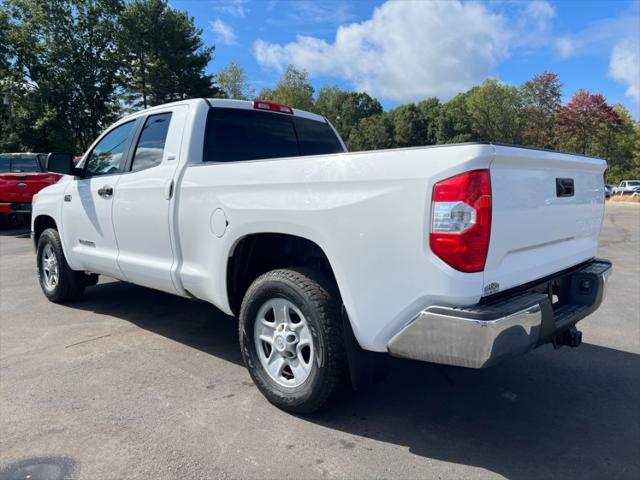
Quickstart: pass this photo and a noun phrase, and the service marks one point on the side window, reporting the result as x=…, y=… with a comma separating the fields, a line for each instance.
x=106, y=156
x=5, y=164
x=150, y=146
x=233, y=134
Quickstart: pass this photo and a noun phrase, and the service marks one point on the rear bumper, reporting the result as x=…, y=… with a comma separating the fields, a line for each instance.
x=485, y=334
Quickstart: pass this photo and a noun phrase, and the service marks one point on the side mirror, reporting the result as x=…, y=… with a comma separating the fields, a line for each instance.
x=62, y=163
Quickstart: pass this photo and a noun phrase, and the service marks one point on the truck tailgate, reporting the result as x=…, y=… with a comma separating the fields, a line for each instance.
x=547, y=210
x=20, y=187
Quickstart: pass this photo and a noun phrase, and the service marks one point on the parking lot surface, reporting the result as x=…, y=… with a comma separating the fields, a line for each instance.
x=133, y=383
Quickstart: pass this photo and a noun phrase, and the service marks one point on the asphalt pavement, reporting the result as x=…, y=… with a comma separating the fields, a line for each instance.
x=133, y=383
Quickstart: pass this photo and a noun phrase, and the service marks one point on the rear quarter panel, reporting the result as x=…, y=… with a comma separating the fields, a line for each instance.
x=368, y=211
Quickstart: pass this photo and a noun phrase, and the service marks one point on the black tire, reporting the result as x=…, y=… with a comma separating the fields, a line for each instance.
x=70, y=284
x=317, y=298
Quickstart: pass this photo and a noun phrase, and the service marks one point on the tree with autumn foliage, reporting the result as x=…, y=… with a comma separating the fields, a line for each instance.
x=587, y=124
x=584, y=122
x=541, y=101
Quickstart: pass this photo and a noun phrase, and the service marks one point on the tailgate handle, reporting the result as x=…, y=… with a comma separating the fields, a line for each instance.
x=564, y=187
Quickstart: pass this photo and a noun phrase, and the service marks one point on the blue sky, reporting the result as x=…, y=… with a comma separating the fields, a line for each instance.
x=405, y=50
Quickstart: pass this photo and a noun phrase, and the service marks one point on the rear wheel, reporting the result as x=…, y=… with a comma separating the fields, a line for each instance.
x=292, y=338
x=58, y=281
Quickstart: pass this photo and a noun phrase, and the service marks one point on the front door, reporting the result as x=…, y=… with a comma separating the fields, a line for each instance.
x=87, y=226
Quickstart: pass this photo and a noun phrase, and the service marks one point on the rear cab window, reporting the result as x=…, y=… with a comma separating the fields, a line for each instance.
x=21, y=163
x=233, y=135
x=316, y=138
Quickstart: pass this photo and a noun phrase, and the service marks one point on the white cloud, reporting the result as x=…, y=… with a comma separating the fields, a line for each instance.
x=530, y=24
x=235, y=8
x=541, y=10
x=624, y=65
x=303, y=13
x=566, y=46
x=224, y=32
x=536, y=18
x=600, y=37
x=406, y=51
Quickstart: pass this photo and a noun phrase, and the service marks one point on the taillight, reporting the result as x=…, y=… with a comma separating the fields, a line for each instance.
x=271, y=106
x=461, y=220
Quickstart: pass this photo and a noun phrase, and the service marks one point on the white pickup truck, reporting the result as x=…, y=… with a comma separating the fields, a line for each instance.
x=627, y=187
x=456, y=254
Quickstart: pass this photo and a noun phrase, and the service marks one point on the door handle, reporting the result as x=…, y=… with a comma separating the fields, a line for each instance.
x=106, y=191
x=22, y=185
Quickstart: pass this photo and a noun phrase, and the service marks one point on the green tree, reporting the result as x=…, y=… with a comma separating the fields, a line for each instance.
x=633, y=170
x=5, y=81
x=232, y=81
x=495, y=111
x=454, y=123
x=430, y=110
x=4, y=43
x=371, y=133
x=617, y=144
x=63, y=71
x=408, y=126
x=163, y=54
x=293, y=90
x=345, y=109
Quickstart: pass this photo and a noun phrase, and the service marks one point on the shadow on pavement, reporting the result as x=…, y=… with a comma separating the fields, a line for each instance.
x=18, y=233
x=566, y=414
x=571, y=413
x=192, y=323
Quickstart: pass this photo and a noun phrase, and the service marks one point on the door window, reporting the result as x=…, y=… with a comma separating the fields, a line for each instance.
x=150, y=148
x=106, y=156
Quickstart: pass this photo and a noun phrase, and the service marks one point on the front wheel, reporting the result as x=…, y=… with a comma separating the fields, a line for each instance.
x=291, y=338
x=58, y=281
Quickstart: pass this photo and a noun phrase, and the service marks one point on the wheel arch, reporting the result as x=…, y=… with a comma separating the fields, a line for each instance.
x=40, y=224
x=257, y=253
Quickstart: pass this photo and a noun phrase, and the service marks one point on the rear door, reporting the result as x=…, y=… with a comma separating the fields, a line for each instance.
x=143, y=199
x=87, y=224
x=547, y=210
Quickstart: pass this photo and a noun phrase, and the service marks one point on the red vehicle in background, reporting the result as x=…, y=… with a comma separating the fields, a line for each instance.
x=21, y=176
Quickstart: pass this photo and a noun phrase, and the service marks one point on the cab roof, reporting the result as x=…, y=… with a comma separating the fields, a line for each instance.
x=239, y=104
